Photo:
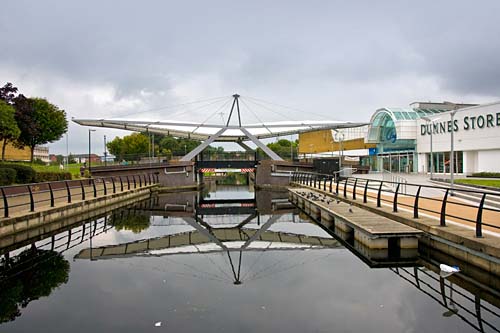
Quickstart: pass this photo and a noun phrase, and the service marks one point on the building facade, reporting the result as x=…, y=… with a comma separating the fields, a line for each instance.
x=399, y=139
x=476, y=140
x=24, y=154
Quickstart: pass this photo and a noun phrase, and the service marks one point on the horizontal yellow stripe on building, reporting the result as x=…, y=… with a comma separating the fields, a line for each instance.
x=322, y=141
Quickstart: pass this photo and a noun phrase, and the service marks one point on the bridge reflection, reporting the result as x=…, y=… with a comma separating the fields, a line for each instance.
x=245, y=228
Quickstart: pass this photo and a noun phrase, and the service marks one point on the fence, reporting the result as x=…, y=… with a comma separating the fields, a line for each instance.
x=434, y=200
x=29, y=197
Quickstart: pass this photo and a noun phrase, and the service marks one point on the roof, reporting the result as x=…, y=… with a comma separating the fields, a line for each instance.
x=231, y=133
x=399, y=114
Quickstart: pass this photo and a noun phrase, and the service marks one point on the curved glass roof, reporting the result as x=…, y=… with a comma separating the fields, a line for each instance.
x=399, y=114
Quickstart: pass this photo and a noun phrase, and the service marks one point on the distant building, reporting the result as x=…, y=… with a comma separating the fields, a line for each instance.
x=23, y=154
x=83, y=158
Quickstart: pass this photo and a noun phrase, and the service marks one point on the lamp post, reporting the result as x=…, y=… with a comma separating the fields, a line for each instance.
x=90, y=163
x=340, y=138
x=105, y=152
x=452, y=151
x=67, y=154
x=431, y=121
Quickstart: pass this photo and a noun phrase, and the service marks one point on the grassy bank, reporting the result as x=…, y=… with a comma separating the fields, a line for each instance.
x=74, y=169
x=480, y=182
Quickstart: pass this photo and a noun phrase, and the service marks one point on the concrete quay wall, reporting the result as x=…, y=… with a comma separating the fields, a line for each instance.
x=72, y=212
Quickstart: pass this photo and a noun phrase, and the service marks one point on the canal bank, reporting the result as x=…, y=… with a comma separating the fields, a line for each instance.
x=33, y=213
x=453, y=240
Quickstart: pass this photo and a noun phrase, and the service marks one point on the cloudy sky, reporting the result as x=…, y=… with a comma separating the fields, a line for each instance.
x=338, y=59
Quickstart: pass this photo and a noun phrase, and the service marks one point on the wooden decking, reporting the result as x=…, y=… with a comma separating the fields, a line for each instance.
x=369, y=228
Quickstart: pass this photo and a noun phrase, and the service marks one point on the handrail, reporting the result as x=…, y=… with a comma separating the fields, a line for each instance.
x=374, y=190
x=30, y=197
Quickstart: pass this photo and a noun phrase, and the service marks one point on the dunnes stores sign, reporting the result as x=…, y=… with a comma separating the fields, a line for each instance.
x=469, y=123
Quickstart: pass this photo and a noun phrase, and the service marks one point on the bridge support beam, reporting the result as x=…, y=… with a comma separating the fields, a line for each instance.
x=201, y=147
x=261, y=145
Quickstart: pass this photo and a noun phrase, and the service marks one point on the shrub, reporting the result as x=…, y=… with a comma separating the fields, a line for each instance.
x=24, y=174
x=52, y=176
x=7, y=176
x=486, y=174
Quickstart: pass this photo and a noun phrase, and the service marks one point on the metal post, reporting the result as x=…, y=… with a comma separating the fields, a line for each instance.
x=442, y=221
x=32, y=199
x=128, y=183
x=68, y=191
x=345, y=188
x=114, y=185
x=365, y=193
x=415, y=203
x=95, y=189
x=331, y=179
x=104, y=184
x=354, y=189
x=452, y=152
x=83, y=189
x=395, y=201
x=5, y=203
x=432, y=155
x=51, y=195
x=479, y=219
x=105, y=152
x=379, y=194
x=90, y=163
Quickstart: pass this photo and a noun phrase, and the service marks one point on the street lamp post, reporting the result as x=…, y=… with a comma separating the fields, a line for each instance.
x=105, y=153
x=340, y=139
x=430, y=122
x=452, y=152
x=90, y=163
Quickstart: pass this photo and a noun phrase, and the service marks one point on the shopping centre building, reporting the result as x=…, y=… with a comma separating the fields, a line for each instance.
x=399, y=139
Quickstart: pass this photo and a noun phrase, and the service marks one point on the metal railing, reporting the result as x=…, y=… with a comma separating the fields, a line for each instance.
x=433, y=200
x=389, y=177
x=29, y=197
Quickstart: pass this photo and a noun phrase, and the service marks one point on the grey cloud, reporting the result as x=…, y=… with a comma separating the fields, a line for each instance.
x=314, y=54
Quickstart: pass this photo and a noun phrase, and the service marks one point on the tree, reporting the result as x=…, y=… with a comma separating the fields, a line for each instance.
x=71, y=159
x=8, y=93
x=9, y=131
x=40, y=122
x=283, y=148
x=33, y=274
x=131, y=147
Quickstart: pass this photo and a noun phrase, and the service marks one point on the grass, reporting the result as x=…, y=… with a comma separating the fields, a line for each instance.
x=480, y=182
x=74, y=169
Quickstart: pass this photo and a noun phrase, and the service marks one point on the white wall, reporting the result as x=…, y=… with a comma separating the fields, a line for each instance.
x=488, y=160
x=486, y=138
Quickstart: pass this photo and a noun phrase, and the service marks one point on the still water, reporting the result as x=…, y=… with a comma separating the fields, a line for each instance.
x=229, y=260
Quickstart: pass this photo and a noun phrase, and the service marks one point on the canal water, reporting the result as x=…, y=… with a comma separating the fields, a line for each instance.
x=230, y=259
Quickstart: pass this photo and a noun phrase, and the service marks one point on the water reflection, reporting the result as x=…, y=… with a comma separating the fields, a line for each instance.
x=30, y=275
x=236, y=261
x=208, y=237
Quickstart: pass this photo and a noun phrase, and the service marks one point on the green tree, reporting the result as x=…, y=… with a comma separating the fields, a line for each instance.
x=40, y=122
x=131, y=147
x=284, y=148
x=71, y=159
x=9, y=131
x=8, y=93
